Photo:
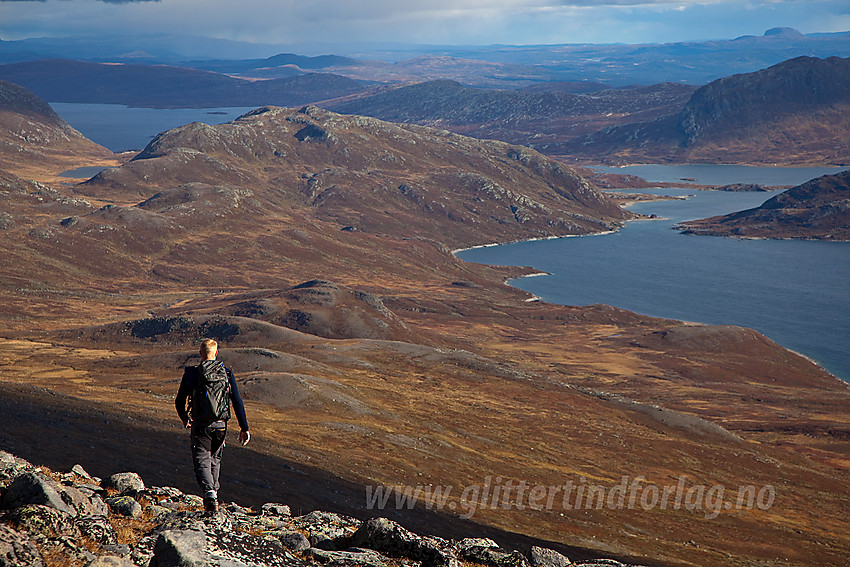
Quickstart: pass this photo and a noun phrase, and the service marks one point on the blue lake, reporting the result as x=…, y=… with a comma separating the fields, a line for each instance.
x=793, y=291
x=708, y=174
x=121, y=128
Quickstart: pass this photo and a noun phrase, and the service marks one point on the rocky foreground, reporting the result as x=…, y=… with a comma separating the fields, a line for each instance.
x=72, y=518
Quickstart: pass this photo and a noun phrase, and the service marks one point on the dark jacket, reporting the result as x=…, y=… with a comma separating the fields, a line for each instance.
x=187, y=386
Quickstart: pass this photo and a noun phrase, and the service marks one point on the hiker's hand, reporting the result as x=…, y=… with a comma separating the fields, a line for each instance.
x=244, y=437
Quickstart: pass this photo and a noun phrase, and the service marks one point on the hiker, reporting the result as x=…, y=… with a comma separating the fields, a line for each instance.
x=210, y=389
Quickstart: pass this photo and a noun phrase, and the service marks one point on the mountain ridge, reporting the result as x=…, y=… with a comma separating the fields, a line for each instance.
x=529, y=118
x=319, y=160
x=791, y=113
x=818, y=209
x=158, y=86
x=36, y=142
x=614, y=64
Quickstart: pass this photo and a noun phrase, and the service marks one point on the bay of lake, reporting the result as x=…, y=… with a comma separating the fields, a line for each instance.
x=793, y=291
x=121, y=128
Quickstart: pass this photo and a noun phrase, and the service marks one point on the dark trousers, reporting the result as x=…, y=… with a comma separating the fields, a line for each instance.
x=207, y=447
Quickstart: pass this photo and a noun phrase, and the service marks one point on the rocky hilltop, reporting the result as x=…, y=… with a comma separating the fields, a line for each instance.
x=36, y=142
x=818, y=209
x=795, y=112
x=361, y=174
x=73, y=519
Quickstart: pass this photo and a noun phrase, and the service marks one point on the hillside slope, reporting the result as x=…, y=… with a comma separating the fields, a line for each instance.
x=368, y=176
x=818, y=209
x=795, y=112
x=35, y=142
x=534, y=119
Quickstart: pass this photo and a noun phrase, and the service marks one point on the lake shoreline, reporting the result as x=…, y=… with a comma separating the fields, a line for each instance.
x=802, y=316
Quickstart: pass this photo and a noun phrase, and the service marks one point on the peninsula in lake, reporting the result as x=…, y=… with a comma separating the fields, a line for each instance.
x=818, y=209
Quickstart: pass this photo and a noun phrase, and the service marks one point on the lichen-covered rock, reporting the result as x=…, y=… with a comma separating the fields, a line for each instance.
x=125, y=505
x=276, y=509
x=392, y=539
x=11, y=466
x=354, y=557
x=179, y=548
x=124, y=482
x=81, y=472
x=36, y=488
x=543, y=557
x=493, y=556
x=43, y=520
x=213, y=545
x=97, y=529
x=156, y=511
x=49, y=519
x=325, y=526
x=295, y=542
x=16, y=549
x=110, y=561
x=470, y=542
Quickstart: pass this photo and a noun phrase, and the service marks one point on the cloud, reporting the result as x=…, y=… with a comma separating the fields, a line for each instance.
x=346, y=22
x=104, y=1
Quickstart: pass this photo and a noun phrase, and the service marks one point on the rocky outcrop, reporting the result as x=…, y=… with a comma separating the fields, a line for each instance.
x=33, y=137
x=794, y=112
x=359, y=174
x=816, y=210
x=741, y=187
x=50, y=518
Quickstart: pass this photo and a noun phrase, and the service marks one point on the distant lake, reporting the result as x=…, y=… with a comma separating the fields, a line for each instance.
x=793, y=291
x=122, y=128
x=708, y=174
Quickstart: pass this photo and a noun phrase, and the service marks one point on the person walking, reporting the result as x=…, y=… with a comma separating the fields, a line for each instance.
x=210, y=390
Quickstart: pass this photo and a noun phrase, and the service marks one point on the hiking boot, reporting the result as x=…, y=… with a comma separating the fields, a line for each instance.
x=210, y=505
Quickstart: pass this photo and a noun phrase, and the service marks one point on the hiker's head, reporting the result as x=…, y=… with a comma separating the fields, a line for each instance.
x=209, y=348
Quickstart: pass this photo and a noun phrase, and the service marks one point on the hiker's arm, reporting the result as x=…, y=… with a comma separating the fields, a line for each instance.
x=238, y=406
x=180, y=400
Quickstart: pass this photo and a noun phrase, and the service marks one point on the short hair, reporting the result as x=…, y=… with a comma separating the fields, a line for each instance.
x=208, y=347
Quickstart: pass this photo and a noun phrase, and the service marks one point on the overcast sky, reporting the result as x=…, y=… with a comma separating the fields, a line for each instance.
x=424, y=21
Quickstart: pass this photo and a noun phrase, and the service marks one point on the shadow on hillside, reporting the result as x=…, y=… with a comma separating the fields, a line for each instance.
x=59, y=431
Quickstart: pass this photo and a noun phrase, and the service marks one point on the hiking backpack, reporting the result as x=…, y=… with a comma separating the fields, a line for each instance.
x=211, y=397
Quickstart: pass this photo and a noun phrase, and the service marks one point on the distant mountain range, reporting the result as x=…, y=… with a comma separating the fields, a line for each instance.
x=818, y=209
x=271, y=67
x=793, y=113
x=533, y=117
x=796, y=112
x=495, y=66
x=159, y=86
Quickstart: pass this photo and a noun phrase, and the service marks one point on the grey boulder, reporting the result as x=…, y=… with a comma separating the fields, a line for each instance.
x=16, y=549
x=124, y=482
